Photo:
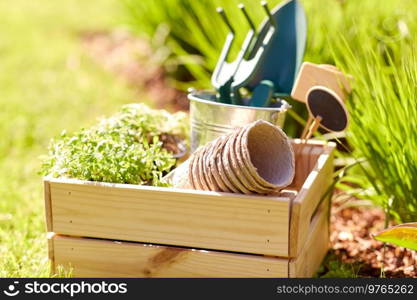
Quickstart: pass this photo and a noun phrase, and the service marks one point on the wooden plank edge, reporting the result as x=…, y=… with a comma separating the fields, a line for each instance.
x=51, y=253
x=178, y=190
x=270, y=262
x=322, y=160
x=48, y=205
x=306, y=217
x=78, y=182
x=293, y=228
x=322, y=163
x=314, y=235
x=270, y=243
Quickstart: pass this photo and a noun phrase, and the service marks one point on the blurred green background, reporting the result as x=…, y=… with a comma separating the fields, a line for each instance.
x=48, y=82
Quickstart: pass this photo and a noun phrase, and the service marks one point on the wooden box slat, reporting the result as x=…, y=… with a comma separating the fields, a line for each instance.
x=87, y=257
x=210, y=220
x=314, y=187
x=102, y=258
x=275, y=225
x=316, y=246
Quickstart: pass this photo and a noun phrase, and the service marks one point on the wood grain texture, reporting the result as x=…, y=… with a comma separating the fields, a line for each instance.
x=48, y=208
x=198, y=219
x=193, y=219
x=320, y=75
x=101, y=258
x=275, y=225
x=309, y=196
x=51, y=252
x=315, y=247
x=305, y=158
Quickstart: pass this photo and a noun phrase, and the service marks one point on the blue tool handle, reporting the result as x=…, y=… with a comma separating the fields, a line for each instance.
x=224, y=92
x=262, y=94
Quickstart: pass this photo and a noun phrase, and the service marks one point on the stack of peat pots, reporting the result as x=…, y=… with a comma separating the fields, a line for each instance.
x=253, y=159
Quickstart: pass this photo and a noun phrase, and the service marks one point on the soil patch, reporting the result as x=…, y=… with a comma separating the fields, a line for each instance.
x=352, y=243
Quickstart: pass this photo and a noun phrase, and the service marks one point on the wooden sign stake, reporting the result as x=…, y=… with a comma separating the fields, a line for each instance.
x=311, y=127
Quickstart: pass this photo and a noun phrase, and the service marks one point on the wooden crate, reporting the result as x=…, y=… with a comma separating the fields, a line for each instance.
x=193, y=233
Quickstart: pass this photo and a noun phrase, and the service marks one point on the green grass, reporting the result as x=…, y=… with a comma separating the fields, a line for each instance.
x=333, y=267
x=384, y=131
x=378, y=47
x=47, y=84
x=374, y=42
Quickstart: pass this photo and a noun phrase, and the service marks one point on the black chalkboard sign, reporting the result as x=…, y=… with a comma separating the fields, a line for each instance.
x=324, y=103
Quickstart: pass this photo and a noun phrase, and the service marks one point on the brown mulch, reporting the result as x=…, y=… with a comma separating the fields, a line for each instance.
x=352, y=243
x=135, y=61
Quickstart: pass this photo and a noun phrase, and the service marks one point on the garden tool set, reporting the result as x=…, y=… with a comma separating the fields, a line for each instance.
x=268, y=60
x=269, y=67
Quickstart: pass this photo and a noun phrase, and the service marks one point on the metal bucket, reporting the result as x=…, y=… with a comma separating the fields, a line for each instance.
x=211, y=119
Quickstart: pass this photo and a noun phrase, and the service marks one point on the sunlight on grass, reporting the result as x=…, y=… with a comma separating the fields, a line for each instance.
x=47, y=84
